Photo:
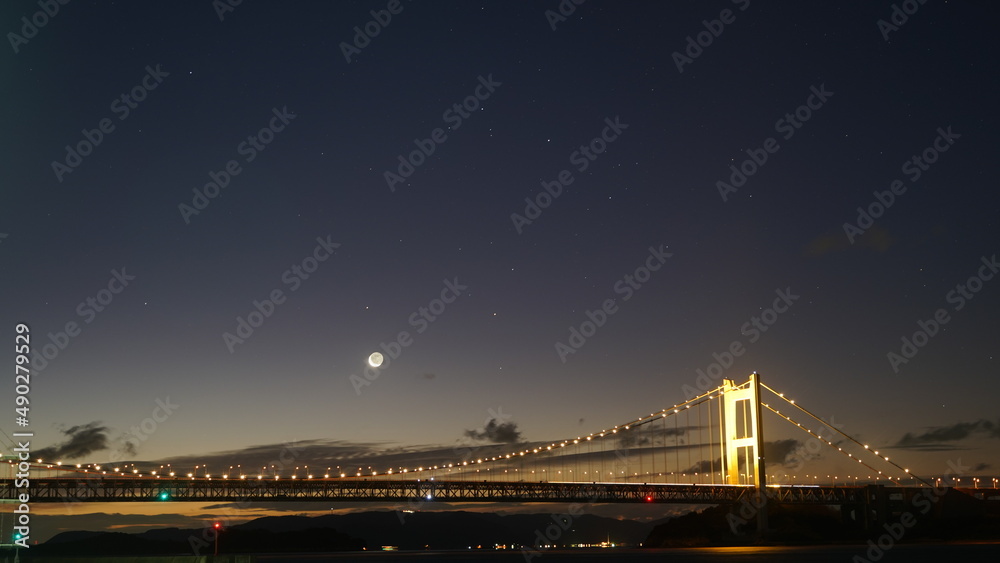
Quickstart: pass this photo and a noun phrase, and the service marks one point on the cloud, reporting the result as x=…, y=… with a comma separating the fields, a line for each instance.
x=322, y=453
x=678, y=431
x=428, y=375
x=627, y=440
x=875, y=239
x=981, y=466
x=82, y=440
x=937, y=438
x=780, y=451
x=496, y=432
x=128, y=448
x=705, y=466
x=352, y=457
x=682, y=437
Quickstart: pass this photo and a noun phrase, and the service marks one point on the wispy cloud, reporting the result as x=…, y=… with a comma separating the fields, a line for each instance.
x=940, y=438
x=318, y=455
x=496, y=432
x=779, y=452
x=82, y=440
x=705, y=466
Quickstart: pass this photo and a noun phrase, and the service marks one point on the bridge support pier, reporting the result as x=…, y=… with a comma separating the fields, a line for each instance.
x=876, y=507
x=871, y=513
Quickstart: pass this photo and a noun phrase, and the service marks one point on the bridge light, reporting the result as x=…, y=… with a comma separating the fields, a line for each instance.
x=164, y=495
x=649, y=498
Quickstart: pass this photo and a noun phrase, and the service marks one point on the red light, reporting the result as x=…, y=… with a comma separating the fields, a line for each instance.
x=649, y=499
x=217, y=525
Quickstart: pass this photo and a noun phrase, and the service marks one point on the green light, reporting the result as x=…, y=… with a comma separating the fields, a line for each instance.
x=164, y=495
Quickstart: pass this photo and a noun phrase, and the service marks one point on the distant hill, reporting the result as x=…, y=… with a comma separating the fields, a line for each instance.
x=715, y=527
x=371, y=530
x=956, y=516
x=233, y=540
x=458, y=530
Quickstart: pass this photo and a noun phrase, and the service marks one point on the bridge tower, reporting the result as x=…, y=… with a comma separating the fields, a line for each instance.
x=744, y=440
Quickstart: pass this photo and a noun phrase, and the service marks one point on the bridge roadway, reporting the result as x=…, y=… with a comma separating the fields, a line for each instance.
x=146, y=489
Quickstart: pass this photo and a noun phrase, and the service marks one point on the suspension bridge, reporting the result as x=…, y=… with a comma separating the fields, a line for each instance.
x=707, y=450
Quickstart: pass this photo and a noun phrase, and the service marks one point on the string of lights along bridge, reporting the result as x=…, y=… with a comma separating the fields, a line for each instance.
x=713, y=439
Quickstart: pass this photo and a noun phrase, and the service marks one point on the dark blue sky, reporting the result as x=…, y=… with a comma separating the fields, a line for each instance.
x=494, y=346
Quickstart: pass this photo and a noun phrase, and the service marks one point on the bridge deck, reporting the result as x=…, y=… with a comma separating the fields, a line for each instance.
x=106, y=489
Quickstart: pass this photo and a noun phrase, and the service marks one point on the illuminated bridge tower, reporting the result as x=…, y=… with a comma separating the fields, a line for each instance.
x=744, y=440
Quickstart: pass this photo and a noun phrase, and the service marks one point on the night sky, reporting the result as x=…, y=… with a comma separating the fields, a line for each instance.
x=616, y=107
